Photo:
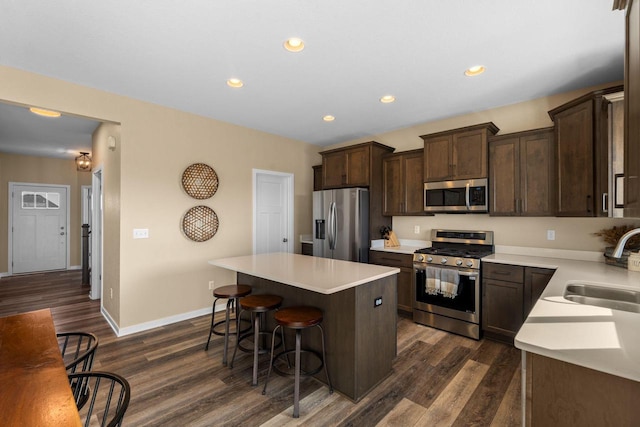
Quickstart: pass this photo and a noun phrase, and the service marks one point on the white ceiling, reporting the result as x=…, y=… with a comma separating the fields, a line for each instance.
x=180, y=54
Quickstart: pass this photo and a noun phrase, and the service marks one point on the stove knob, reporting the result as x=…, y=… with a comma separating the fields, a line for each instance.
x=469, y=263
x=429, y=258
x=459, y=262
x=443, y=261
x=420, y=258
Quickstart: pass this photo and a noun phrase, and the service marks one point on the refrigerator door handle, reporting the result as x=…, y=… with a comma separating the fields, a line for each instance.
x=332, y=225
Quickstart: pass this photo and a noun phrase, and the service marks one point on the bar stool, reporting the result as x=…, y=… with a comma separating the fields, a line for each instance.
x=298, y=318
x=257, y=305
x=232, y=293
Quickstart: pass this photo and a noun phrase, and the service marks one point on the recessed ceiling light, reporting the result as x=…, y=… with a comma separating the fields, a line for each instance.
x=294, y=44
x=328, y=118
x=387, y=99
x=44, y=113
x=235, y=83
x=474, y=71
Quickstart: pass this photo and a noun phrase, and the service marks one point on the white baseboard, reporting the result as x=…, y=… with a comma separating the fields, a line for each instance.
x=5, y=274
x=74, y=267
x=120, y=332
x=110, y=321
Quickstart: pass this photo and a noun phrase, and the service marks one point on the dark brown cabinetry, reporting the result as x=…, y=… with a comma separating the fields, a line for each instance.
x=405, y=279
x=402, y=184
x=632, y=112
x=521, y=174
x=317, y=177
x=508, y=294
x=359, y=165
x=307, y=248
x=347, y=167
x=581, y=137
x=458, y=153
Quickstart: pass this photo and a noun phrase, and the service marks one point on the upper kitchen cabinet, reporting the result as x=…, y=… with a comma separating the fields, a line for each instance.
x=457, y=154
x=632, y=112
x=581, y=135
x=521, y=174
x=402, y=183
x=317, y=177
x=352, y=166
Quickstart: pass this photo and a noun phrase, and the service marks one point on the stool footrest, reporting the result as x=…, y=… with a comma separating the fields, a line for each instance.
x=233, y=322
x=292, y=367
x=262, y=350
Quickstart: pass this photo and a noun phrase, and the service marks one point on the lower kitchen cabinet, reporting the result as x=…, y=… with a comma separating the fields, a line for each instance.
x=307, y=248
x=508, y=294
x=561, y=393
x=405, y=279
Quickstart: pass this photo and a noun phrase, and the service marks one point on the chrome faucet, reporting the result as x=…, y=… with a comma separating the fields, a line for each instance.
x=617, y=252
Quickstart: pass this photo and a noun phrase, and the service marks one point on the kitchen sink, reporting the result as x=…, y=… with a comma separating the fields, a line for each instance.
x=602, y=296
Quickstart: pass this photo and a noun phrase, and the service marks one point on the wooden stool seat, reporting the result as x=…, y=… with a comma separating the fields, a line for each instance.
x=261, y=303
x=298, y=317
x=232, y=291
x=258, y=306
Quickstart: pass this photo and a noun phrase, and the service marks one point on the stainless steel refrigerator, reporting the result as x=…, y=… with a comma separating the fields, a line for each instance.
x=341, y=224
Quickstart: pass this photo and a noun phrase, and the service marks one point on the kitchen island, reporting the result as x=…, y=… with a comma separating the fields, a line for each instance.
x=359, y=305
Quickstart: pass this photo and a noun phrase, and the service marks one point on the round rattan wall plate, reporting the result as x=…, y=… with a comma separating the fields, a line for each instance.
x=200, y=223
x=200, y=181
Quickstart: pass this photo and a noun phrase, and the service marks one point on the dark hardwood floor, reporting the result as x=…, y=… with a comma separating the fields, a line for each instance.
x=438, y=379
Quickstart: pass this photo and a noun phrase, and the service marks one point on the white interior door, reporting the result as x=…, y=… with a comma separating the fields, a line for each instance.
x=273, y=206
x=39, y=227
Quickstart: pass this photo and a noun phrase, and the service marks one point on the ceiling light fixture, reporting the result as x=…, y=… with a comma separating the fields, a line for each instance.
x=328, y=118
x=387, y=99
x=474, y=71
x=44, y=113
x=294, y=44
x=236, y=83
x=83, y=162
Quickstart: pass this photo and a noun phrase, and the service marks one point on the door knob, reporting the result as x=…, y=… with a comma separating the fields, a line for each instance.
x=62, y=233
x=285, y=240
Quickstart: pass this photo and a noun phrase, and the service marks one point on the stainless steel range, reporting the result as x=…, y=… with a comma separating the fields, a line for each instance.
x=447, y=280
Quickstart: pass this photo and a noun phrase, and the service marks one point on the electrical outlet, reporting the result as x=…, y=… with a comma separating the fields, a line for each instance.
x=111, y=292
x=140, y=233
x=211, y=283
x=551, y=234
x=416, y=229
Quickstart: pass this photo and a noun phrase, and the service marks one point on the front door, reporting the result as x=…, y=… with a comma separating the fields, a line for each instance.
x=39, y=236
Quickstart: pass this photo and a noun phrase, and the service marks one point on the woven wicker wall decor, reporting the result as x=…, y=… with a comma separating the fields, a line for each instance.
x=200, y=223
x=200, y=181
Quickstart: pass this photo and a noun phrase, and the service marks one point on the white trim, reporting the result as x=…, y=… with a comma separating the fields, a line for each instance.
x=162, y=322
x=13, y=184
x=75, y=267
x=290, y=211
x=97, y=234
x=4, y=274
x=109, y=320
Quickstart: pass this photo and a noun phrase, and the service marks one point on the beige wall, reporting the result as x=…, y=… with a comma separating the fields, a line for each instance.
x=571, y=233
x=41, y=170
x=167, y=274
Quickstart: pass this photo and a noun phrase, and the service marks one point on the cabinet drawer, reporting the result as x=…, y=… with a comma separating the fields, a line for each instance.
x=509, y=273
x=391, y=259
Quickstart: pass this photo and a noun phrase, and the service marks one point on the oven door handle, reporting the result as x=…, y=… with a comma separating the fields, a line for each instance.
x=462, y=273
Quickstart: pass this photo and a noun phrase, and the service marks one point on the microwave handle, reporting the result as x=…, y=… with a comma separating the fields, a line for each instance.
x=466, y=197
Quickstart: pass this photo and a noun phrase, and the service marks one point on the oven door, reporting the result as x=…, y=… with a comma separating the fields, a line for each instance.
x=465, y=306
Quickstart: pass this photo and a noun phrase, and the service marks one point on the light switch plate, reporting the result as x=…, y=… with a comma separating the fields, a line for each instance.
x=140, y=233
x=551, y=234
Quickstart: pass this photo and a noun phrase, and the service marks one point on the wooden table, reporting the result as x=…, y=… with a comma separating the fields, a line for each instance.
x=34, y=387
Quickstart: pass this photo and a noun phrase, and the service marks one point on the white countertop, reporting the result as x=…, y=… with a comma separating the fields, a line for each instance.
x=598, y=338
x=322, y=275
x=406, y=246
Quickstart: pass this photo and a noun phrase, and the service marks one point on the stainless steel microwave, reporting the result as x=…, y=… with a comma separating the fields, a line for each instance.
x=469, y=195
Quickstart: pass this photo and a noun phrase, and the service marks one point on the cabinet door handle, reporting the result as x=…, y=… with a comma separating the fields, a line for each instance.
x=605, y=208
x=589, y=204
